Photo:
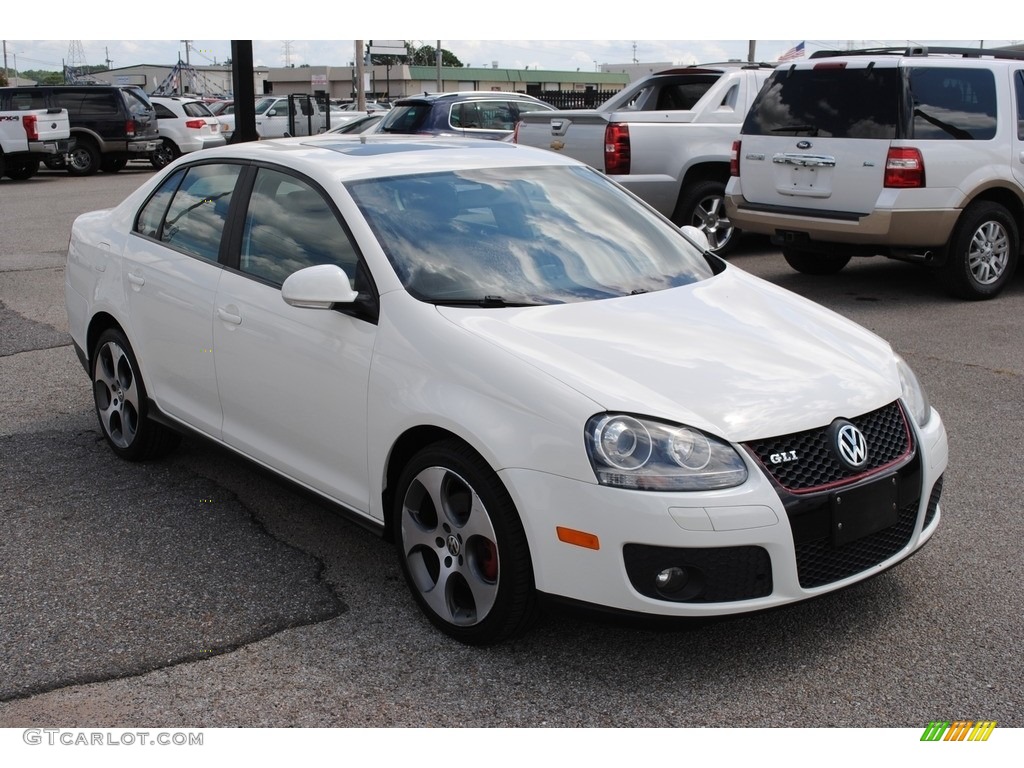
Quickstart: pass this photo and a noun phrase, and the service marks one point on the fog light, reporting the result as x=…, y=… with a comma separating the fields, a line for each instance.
x=671, y=580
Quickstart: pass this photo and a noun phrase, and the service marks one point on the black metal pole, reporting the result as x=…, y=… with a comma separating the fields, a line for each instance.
x=245, y=92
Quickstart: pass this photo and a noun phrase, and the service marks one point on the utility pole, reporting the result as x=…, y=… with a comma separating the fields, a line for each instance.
x=751, y=47
x=106, y=52
x=360, y=56
x=440, y=82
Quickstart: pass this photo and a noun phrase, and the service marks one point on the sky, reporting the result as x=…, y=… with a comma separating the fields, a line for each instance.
x=550, y=38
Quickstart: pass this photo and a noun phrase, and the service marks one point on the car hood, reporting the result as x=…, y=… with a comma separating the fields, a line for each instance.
x=733, y=355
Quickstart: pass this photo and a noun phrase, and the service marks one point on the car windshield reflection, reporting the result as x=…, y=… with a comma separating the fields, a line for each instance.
x=524, y=236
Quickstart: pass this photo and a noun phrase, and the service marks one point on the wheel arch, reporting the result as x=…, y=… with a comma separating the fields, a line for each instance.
x=407, y=445
x=709, y=170
x=99, y=323
x=1010, y=199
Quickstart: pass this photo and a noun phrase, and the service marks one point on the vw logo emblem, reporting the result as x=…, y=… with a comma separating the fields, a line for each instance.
x=851, y=446
x=804, y=144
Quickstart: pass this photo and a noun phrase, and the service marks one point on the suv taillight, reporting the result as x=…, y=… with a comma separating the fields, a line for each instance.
x=129, y=129
x=616, y=149
x=31, y=128
x=734, y=159
x=195, y=123
x=904, y=167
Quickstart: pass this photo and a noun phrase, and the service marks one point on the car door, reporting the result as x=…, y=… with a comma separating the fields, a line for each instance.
x=1017, y=164
x=293, y=381
x=170, y=274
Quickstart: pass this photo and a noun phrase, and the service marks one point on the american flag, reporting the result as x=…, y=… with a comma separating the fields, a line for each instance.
x=796, y=52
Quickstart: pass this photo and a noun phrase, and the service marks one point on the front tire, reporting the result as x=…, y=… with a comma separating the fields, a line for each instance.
x=120, y=398
x=812, y=263
x=703, y=206
x=982, y=254
x=461, y=546
x=164, y=155
x=113, y=164
x=22, y=169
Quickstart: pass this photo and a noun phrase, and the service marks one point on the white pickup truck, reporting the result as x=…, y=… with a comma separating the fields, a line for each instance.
x=667, y=138
x=30, y=135
x=274, y=122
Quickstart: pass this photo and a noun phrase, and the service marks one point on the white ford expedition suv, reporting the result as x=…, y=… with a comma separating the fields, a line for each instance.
x=914, y=154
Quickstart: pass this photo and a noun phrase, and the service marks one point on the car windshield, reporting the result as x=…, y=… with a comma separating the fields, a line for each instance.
x=263, y=105
x=524, y=236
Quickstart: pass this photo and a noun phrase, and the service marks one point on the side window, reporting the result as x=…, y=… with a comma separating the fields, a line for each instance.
x=195, y=218
x=163, y=113
x=152, y=214
x=24, y=100
x=1018, y=86
x=100, y=104
x=290, y=226
x=953, y=103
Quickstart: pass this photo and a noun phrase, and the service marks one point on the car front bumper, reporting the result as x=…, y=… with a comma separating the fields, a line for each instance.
x=743, y=549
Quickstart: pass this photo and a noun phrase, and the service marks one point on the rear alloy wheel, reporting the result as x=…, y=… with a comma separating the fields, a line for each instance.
x=703, y=206
x=164, y=155
x=120, y=398
x=983, y=253
x=21, y=169
x=461, y=546
x=812, y=263
x=84, y=159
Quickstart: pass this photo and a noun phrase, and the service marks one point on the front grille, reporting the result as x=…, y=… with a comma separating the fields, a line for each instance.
x=714, y=575
x=816, y=464
x=818, y=562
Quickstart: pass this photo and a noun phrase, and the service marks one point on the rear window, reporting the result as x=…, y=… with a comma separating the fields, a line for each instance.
x=196, y=109
x=861, y=103
x=407, y=118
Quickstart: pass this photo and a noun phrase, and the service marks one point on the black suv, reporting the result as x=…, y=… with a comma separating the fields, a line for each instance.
x=471, y=114
x=110, y=123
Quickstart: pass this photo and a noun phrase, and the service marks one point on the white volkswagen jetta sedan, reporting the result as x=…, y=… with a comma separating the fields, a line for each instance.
x=528, y=379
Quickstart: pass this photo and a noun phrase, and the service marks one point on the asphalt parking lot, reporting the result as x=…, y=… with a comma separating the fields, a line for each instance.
x=200, y=592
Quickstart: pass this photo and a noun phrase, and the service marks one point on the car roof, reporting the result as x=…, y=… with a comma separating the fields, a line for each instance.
x=467, y=95
x=347, y=157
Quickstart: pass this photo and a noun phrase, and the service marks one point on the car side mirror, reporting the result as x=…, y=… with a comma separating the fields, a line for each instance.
x=697, y=236
x=318, y=287
x=271, y=112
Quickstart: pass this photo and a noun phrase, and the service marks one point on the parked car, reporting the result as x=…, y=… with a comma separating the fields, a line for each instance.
x=110, y=124
x=497, y=357
x=186, y=125
x=222, y=107
x=296, y=115
x=29, y=133
x=912, y=153
x=473, y=114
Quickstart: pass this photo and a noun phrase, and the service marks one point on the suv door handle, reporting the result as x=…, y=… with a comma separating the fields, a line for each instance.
x=136, y=279
x=809, y=161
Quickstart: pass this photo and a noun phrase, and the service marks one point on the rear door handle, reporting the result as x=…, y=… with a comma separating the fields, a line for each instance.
x=136, y=279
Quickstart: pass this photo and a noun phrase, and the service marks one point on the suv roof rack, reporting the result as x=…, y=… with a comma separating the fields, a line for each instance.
x=923, y=50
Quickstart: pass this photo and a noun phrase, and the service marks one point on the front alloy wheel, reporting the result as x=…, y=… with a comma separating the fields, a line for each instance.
x=461, y=546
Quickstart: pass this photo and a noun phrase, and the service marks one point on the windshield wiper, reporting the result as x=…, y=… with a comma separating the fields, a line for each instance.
x=486, y=302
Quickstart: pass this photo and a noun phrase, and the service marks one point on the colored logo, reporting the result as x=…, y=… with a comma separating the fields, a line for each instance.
x=959, y=730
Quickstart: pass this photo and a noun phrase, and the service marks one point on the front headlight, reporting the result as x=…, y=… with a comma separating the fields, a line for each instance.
x=913, y=393
x=643, y=454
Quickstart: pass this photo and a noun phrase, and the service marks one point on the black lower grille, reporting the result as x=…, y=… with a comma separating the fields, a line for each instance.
x=818, y=562
x=712, y=575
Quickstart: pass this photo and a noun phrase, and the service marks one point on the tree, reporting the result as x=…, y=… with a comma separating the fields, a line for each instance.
x=426, y=56
x=3, y=78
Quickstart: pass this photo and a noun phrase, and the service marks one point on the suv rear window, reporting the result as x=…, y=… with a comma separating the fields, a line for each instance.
x=849, y=103
x=406, y=118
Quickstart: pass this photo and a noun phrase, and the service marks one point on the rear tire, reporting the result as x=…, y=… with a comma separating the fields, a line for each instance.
x=119, y=395
x=84, y=159
x=982, y=254
x=164, y=155
x=703, y=206
x=812, y=263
